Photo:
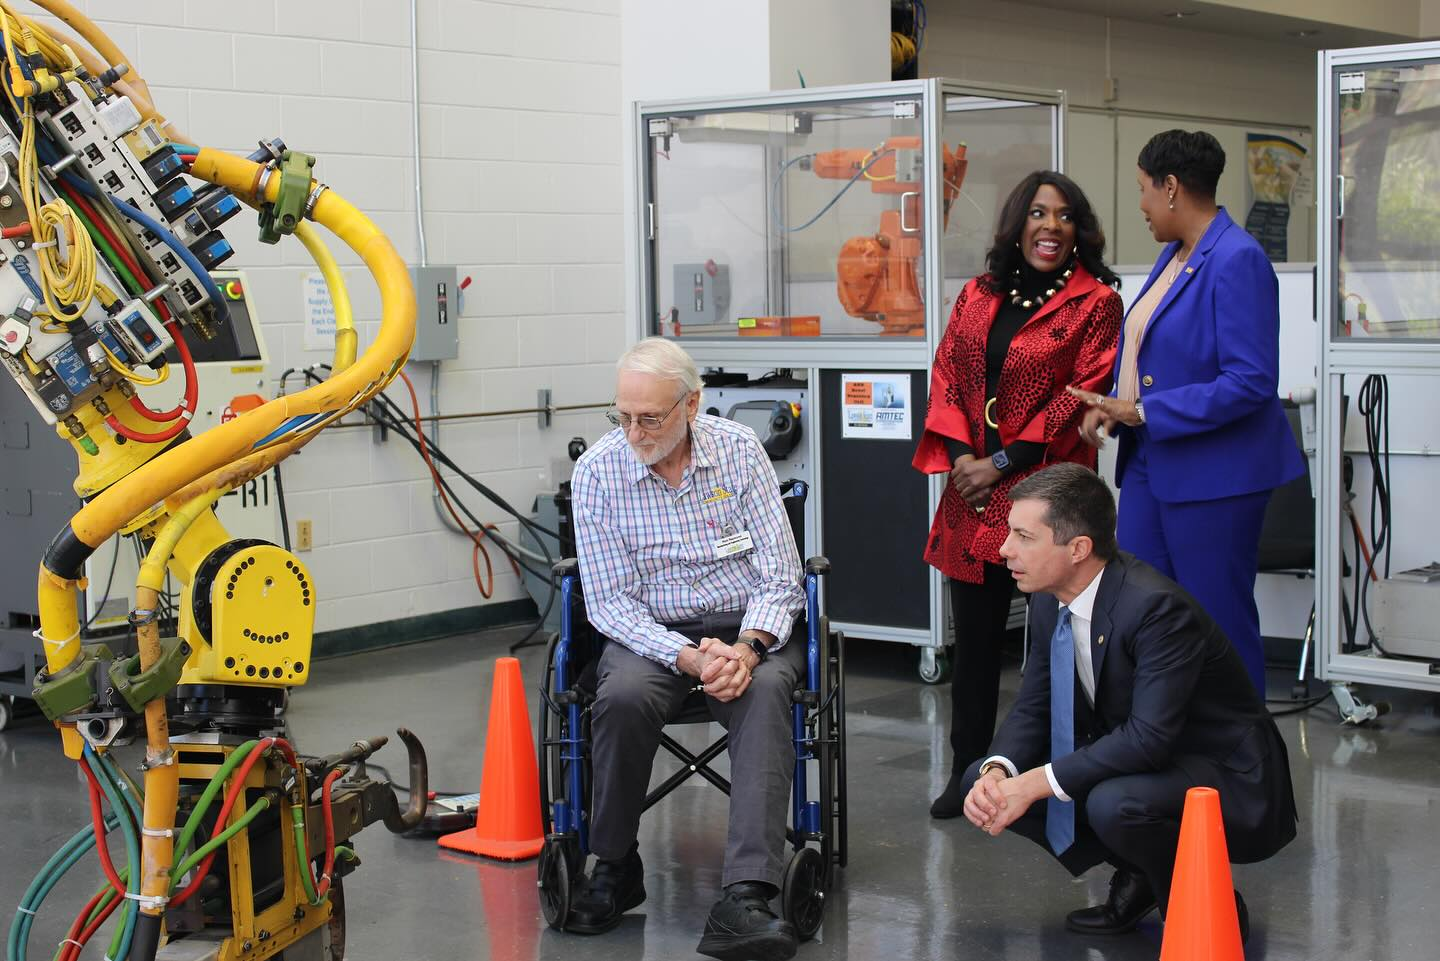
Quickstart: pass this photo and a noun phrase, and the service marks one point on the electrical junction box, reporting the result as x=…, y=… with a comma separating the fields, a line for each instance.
x=702, y=293
x=437, y=335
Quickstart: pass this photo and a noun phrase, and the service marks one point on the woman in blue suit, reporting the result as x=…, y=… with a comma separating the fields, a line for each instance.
x=1203, y=438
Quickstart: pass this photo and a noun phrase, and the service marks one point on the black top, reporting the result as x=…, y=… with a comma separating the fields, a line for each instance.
x=1009, y=318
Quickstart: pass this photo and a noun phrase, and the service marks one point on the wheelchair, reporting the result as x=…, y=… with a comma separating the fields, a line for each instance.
x=817, y=830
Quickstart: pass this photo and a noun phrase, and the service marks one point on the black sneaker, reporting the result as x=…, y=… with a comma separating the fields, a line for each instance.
x=741, y=927
x=613, y=888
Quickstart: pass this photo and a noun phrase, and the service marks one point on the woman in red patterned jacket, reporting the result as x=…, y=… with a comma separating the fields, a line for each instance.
x=1043, y=317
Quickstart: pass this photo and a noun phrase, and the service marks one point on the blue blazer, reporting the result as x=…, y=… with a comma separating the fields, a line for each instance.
x=1209, y=370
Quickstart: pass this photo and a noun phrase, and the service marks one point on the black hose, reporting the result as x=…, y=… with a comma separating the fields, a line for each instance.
x=146, y=941
x=1374, y=405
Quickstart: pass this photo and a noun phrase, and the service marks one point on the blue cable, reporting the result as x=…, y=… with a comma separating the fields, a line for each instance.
x=222, y=311
x=184, y=147
x=775, y=191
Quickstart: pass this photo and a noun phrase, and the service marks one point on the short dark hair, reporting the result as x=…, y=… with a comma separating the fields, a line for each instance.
x=1005, y=257
x=1077, y=503
x=1195, y=158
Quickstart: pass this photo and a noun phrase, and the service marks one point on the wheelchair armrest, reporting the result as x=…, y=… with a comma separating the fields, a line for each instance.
x=566, y=568
x=819, y=564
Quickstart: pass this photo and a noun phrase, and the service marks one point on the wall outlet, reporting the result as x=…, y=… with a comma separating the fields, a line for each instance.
x=303, y=536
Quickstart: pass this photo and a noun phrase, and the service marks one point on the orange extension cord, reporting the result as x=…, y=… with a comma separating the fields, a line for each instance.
x=485, y=583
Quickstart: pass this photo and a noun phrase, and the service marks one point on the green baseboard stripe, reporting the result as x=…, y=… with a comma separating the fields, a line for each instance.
x=422, y=627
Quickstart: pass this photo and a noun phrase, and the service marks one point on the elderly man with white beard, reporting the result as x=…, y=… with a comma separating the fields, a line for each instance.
x=691, y=575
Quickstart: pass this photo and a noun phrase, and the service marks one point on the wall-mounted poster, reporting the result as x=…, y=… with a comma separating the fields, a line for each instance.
x=876, y=406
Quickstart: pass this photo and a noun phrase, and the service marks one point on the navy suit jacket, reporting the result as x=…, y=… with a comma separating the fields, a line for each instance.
x=1170, y=691
x=1209, y=366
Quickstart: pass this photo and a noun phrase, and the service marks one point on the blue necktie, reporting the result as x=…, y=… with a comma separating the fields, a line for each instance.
x=1060, y=815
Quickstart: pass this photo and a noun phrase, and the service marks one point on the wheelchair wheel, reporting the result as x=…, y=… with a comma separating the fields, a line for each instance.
x=556, y=880
x=802, y=895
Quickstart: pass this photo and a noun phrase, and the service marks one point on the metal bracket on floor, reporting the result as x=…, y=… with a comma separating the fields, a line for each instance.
x=1353, y=708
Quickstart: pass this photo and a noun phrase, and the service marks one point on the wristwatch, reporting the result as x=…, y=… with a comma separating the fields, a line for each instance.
x=1140, y=410
x=986, y=768
x=758, y=646
x=1001, y=460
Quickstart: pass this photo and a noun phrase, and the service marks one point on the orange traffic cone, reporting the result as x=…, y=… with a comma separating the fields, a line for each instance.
x=508, y=826
x=1201, y=923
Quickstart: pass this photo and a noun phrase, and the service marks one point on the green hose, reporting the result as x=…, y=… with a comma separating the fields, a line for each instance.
x=120, y=943
x=297, y=824
x=214, y=843
x=45, y=879
x=197, y=815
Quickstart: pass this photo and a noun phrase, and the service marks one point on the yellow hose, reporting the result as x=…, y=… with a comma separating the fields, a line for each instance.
x=346, y=340
x=97, y=38
x=162, y=772
x=235, y=441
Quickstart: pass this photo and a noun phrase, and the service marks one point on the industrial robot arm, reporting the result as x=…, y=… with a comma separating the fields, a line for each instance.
x=109, y=225
x=875, y=275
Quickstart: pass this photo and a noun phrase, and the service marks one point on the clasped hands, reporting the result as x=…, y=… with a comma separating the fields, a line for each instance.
x=997, y=800
x=975, y=478
x=724, y=670
x=1104, y=415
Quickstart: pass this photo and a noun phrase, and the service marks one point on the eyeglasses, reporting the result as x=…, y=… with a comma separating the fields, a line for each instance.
x=646, y=421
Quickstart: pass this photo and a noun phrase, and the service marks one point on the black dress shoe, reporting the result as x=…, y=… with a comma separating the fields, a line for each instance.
x=614, y=887
x=1244, y=915
x=741, y=927
x=951, y=802
x=1130, y=900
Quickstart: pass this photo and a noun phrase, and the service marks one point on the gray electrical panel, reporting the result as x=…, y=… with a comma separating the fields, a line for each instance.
x=437, y=334
x=702, y=293
x=36, y=501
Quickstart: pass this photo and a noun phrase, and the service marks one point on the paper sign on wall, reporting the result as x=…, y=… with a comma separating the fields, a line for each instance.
x=319, y=314
x=875, y=406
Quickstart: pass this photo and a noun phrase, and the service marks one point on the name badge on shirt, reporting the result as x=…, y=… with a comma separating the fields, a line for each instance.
x=733, y=542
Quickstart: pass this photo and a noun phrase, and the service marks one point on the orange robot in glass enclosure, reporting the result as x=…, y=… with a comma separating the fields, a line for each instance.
x=875, y=275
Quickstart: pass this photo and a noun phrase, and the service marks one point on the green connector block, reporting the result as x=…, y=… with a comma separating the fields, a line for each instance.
x=74, y=690
x=284, y=215
x=138, y=687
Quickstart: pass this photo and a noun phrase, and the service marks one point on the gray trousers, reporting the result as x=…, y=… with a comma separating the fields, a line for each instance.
x=637, y=697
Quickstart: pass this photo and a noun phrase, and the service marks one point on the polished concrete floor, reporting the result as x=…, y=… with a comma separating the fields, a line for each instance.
x=1355, y=885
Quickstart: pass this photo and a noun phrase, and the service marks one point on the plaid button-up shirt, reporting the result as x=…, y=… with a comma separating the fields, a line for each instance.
x=647, y=550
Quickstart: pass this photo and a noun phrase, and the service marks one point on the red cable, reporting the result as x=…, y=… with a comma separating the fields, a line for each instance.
x=183, y=411
x=236, y=789
x=97, y=816
x=191, y=386
x=19, y=230
x=323, y=888
x=89, y=932
x=79, y=933
x=486, y=585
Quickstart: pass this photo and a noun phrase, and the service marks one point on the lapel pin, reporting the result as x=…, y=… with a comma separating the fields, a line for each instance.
x=1189, y=270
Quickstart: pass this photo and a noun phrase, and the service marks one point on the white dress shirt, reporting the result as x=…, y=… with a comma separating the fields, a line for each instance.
x=1082, y=610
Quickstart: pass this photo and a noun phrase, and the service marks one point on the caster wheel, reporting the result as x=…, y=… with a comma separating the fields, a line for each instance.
x=556, y=882
x=934, y=665
x=802, y=895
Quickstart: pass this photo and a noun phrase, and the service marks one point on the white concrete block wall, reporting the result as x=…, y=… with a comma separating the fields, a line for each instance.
x=521, y=158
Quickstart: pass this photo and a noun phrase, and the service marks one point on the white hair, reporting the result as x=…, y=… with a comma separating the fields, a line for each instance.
x=661, y=358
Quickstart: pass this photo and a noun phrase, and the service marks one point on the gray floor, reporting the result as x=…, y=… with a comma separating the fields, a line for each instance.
x=1353, y=886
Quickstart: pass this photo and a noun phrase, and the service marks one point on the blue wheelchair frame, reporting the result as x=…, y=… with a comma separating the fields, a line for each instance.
x=817, y=720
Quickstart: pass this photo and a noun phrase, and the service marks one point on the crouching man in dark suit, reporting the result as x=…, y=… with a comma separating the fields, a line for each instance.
x=1131, y=697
